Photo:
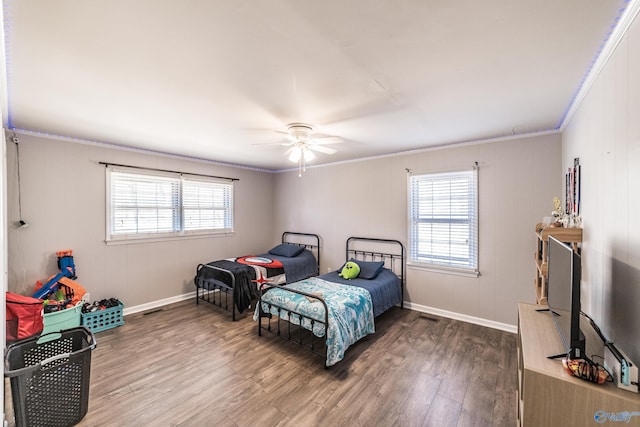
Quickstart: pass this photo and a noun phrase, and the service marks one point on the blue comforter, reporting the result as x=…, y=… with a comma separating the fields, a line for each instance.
x=350, y=312
x=298, y=267
x=385, y=289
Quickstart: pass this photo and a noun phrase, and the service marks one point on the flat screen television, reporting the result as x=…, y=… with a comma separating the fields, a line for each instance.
x=563, y=296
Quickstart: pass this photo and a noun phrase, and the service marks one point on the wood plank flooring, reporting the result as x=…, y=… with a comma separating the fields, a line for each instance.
x=189, y=365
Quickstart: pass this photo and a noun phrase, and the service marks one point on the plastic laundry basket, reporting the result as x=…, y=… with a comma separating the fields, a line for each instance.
x=50, y=377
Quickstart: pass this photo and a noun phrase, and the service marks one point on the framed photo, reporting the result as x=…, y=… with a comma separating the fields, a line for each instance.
x=572, y=189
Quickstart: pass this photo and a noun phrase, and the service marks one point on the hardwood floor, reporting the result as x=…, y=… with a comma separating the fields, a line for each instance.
x=189, y=365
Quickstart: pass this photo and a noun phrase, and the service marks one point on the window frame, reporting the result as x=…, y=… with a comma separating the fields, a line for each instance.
x=447, y=266
x=178, y=228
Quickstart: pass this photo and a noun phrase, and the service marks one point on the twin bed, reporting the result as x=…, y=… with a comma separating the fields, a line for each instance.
x=234, y=283
x=327, y=313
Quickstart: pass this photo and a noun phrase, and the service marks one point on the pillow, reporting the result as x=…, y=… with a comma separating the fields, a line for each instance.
x=369, y=269
x=350, y=271
x=285, y=249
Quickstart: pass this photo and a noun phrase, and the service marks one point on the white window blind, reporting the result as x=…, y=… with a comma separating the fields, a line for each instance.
x=207, y=205
x=152, y=205
x=443, y=223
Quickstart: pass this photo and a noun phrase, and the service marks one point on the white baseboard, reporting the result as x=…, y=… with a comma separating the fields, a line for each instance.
x=462, y=317
x=158, y=303
x=416, y=307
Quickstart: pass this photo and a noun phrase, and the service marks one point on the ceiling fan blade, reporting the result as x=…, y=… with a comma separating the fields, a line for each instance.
x=287, y=135
x=326, y=140
x=264, y=144
x=321, y=149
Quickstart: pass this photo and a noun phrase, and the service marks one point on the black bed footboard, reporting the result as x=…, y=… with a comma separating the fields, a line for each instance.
x=228, y=283
x=293, y=326
x=212, y=290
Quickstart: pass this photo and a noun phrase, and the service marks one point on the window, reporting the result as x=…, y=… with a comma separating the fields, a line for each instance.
x=145, y=204
x=443, y=220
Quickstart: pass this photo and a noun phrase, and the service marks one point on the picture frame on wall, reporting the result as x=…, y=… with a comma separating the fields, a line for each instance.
x=572, y=189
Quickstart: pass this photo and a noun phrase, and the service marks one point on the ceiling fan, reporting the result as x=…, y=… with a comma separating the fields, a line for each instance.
x=303, y=142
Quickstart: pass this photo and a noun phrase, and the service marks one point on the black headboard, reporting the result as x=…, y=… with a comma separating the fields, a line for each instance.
x=308, y=241
x=391, y=252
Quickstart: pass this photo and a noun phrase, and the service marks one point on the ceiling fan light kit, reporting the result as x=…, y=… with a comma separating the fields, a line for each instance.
x=308, y=155
x=302, y=144
x=302, y=155
x=301, y=152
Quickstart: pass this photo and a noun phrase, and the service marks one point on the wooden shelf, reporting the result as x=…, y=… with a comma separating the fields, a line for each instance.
x=567, y=235
x=547, y=394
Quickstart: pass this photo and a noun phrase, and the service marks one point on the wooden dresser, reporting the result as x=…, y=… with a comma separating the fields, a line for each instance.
x=547, y=394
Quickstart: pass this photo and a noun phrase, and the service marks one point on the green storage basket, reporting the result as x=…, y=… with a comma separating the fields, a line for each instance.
x=63, y=319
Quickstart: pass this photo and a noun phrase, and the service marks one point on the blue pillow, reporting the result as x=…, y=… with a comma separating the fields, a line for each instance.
x=287, y=250
x=369, y=269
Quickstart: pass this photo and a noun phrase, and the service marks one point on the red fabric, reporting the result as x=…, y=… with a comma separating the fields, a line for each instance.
x=25, y=316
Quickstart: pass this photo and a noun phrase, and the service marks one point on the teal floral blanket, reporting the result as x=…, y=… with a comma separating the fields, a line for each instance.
x=350, y=312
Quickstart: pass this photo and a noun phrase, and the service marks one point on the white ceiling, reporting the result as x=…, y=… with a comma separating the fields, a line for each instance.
x=209, y=79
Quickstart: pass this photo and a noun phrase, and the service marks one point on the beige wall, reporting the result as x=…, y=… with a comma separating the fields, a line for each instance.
x=517, y=179
x=605, y=134
x=63, y=201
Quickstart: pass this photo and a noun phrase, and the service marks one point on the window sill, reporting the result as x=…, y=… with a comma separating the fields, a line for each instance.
x=443, y=270
x=136, y=240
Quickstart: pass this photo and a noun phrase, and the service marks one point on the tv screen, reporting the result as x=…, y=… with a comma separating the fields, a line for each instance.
x=563, y=296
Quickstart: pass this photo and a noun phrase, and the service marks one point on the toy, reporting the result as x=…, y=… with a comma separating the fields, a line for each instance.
x=350, y=270
x=587, y=370
x=67, y=269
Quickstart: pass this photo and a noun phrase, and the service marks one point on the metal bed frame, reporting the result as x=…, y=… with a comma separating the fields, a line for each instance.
x=215, y=289
x=356, y=247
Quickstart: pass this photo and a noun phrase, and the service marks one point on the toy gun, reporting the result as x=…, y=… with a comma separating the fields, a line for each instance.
x=67, y=269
